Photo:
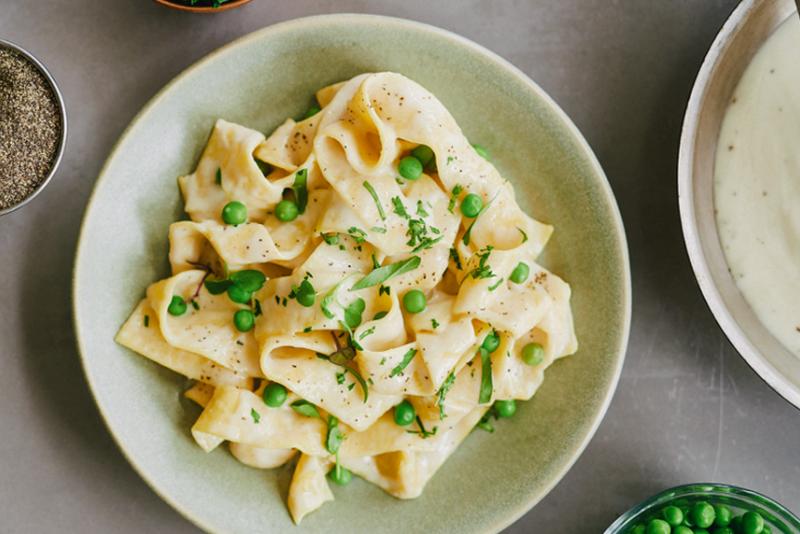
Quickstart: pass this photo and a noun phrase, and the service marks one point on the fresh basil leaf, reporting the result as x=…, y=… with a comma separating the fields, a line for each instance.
x=217, y=287
x=380, y=275
x=250, y=280
x=335, y=436
x=443, y=390
x=303, y=407
x=300, y=189
x=331, y=238
x=255, y=415
x=486, y=377
x=352, y=313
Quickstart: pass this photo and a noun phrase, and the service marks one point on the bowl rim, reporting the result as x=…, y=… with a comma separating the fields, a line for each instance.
x=232, y=4
x=705, y=487
x=621, y=251
x=688, y=212
x=62, y=113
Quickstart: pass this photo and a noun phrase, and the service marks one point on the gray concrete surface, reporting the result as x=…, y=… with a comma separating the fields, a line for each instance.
x=687, y=409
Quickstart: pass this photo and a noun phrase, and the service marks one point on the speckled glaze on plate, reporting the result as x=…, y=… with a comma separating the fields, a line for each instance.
x=259, y=80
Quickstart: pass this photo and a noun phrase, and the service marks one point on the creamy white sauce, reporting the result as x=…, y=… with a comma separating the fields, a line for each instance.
x=757, y=185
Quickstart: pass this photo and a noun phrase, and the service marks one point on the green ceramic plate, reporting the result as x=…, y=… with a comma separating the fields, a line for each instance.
x=258, y=81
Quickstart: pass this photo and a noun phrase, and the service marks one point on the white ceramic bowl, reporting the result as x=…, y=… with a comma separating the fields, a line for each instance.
x=746, y=30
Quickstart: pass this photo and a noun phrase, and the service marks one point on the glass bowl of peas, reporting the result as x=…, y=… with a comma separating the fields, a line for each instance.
x=707, y=509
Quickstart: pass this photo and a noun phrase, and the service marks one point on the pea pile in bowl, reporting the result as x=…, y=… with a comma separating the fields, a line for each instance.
x=707, y=509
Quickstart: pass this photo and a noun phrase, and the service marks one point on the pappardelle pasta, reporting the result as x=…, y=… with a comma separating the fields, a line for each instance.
x=359, y=289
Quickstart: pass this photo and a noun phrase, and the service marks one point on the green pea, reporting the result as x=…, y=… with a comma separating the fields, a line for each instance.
x=700, y=531
x=736, y=523
x=410, y=168
x=681, y=529
x=274, y=395
x=482, y=152
x=471, y=205
x=340, y=475
x=639, y=529
x=424, y=154
x=723, y=514
x=723, y=530
x=505, y=408
x=533, y=353
x=491, y=341
x=177, y=306
x=234, y=213
x=404, y=413
x=672, y=515
x=767, y=529
x=520, y=273
x=313, y=110
x=752, y=523
x=286, y=211
x=658, y=526
x=239, y=295
x=702, y=514
x=244, y=320
x=414, y=301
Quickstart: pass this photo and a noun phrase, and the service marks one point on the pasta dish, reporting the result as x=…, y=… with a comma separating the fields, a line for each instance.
x=354, y=293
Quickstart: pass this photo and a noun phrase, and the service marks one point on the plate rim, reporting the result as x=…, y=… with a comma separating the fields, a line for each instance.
x=621, y=249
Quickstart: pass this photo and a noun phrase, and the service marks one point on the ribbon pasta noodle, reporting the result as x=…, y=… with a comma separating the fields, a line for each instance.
x=355, y=291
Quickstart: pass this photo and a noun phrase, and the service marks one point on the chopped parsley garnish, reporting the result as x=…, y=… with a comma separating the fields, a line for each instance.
x=146, y=321
x=218, y=178
x=456, y=258
x=482, y=270
x=358, y=235
x=340, y=378
x=335, y=435
x=331, y=238
x=454, y=197
x=350, y=387
x=306, y=330
x=421, y=209
x=384, y=289
x=303, y=407
x=496, y=284
x=422, y=432
x=380, y=315
x=300, y=189
x=255, y=415
x=446, y=385
x=374, y=195
x=375, y=263
x=524, y=235
x=327, y=301
x=450, y=159
x=378, y=229
x=195, y=305
x=368, y=332
x=485, y=394
x=400, y=367
x=380, y=275
x=434, y=323
x=399, y=208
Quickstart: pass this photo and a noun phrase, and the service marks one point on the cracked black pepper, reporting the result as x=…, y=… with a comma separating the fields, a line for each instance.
x=30, y=128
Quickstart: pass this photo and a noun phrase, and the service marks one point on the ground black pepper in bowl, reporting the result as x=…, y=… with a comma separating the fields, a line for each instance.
x=30, y=127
